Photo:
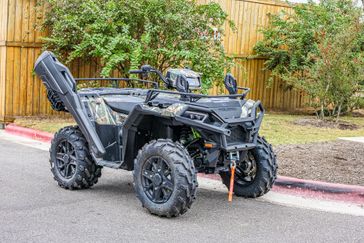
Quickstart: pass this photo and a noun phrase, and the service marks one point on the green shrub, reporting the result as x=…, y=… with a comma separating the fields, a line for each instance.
x=318, y=48
x=125, y=34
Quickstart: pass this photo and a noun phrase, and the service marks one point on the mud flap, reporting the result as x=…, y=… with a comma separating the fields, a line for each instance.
x=58, y=80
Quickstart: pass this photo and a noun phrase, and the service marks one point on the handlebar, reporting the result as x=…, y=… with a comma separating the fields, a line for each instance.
x=145, y=69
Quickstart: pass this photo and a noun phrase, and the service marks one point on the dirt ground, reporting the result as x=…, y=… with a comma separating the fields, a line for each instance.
x=342, y=125
x=337, y=161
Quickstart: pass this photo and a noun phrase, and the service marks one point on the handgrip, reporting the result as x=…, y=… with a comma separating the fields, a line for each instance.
x=136, y=71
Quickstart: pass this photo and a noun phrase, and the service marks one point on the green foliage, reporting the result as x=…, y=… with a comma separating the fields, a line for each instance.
x=124, y=34
x=318, y=48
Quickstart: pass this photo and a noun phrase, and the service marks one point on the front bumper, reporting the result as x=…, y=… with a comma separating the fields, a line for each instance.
x=230, y=134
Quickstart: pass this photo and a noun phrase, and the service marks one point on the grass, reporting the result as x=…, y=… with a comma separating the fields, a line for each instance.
x=46, y=124
x=277, y=128
x=280, y=129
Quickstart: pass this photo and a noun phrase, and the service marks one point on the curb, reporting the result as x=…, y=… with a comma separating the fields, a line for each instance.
x=290, y=185
x=319, y=186
x=320, y=189
x=327, y=187
x=29, y=133
x=312, y=189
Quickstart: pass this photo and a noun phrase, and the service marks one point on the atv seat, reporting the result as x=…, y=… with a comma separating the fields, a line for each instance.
x=123, y=104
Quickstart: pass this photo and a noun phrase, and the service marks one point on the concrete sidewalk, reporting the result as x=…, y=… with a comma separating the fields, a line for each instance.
x=353, y=139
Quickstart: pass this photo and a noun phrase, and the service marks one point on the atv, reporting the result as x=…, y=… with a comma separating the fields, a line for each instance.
x=164, y=136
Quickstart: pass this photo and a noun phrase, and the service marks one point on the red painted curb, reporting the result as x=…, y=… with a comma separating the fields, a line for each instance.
x=284, y=184
x=313, y=189
x=318, y=185
x=320, y=189
x=29, y=133
x=346, y=197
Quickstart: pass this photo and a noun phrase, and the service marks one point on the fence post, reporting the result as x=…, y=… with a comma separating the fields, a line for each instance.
x=3, y=38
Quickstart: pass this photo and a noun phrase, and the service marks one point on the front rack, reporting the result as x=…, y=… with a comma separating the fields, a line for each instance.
x=153, y=93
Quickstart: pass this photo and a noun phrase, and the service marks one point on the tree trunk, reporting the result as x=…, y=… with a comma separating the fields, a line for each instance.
x=339, y=111
x=317, y=113
x=322, y=112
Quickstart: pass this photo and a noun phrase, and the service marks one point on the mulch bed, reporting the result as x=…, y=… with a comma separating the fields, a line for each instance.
x=338, y=161
x=342, y=125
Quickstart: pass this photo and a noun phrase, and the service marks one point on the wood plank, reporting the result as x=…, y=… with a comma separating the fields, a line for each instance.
x=18, y=18
x=32, y=20
x=23, y=80
x=240, y=28
x=36, y=90
x=25, y=21
x=3, y=19
x=2, y=82
x=16, y=84
x=40, y=13
x=259, y=81
x=30, y=82
x=11, y=21
x=9, y=82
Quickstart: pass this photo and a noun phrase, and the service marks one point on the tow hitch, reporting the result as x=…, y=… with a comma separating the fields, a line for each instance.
x=233, y=157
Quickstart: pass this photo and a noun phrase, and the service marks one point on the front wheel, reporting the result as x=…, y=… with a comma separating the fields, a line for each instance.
x=164, y=178
x=255, y=175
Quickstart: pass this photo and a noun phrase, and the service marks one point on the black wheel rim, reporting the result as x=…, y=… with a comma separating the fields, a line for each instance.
x=157, y=180
x=66, y=159
x=246, y=170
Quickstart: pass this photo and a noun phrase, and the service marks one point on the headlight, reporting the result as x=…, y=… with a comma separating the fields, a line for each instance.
x=174, y=109
x=171, y=111
x=246, y=109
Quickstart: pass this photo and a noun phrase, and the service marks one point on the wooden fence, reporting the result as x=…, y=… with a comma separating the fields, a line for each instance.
x=22, y=94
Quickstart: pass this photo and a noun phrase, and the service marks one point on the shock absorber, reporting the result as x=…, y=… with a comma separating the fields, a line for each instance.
x=185, y=135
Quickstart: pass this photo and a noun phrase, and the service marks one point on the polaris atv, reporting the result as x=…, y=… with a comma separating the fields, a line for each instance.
x=165, y=137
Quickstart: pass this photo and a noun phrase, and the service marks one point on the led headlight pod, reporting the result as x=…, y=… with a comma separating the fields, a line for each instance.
x=246, y=109
x=174, y=109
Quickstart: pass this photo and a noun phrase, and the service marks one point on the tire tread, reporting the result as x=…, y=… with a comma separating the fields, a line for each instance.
x=87, y=173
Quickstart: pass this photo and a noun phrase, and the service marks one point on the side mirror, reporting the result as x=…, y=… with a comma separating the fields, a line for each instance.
x=230, y=84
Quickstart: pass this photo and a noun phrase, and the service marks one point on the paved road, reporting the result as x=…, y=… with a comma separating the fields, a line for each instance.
x=34, y=209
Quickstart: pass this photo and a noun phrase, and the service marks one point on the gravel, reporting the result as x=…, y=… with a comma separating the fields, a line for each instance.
x=337, y=161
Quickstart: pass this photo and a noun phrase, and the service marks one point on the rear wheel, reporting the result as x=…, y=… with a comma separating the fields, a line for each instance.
x=164, y=178
x=71, y=163
x=255, y=175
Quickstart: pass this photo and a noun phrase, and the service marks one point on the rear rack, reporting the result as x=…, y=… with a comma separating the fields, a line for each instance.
x=116, y=80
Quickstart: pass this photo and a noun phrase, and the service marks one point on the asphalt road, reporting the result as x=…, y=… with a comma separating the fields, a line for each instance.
x=34, y=209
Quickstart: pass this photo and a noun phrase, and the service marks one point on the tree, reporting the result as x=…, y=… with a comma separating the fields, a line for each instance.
x=318, y=48
x=124, y=34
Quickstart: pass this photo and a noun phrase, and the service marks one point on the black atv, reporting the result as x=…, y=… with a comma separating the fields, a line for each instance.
x=165, y=137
